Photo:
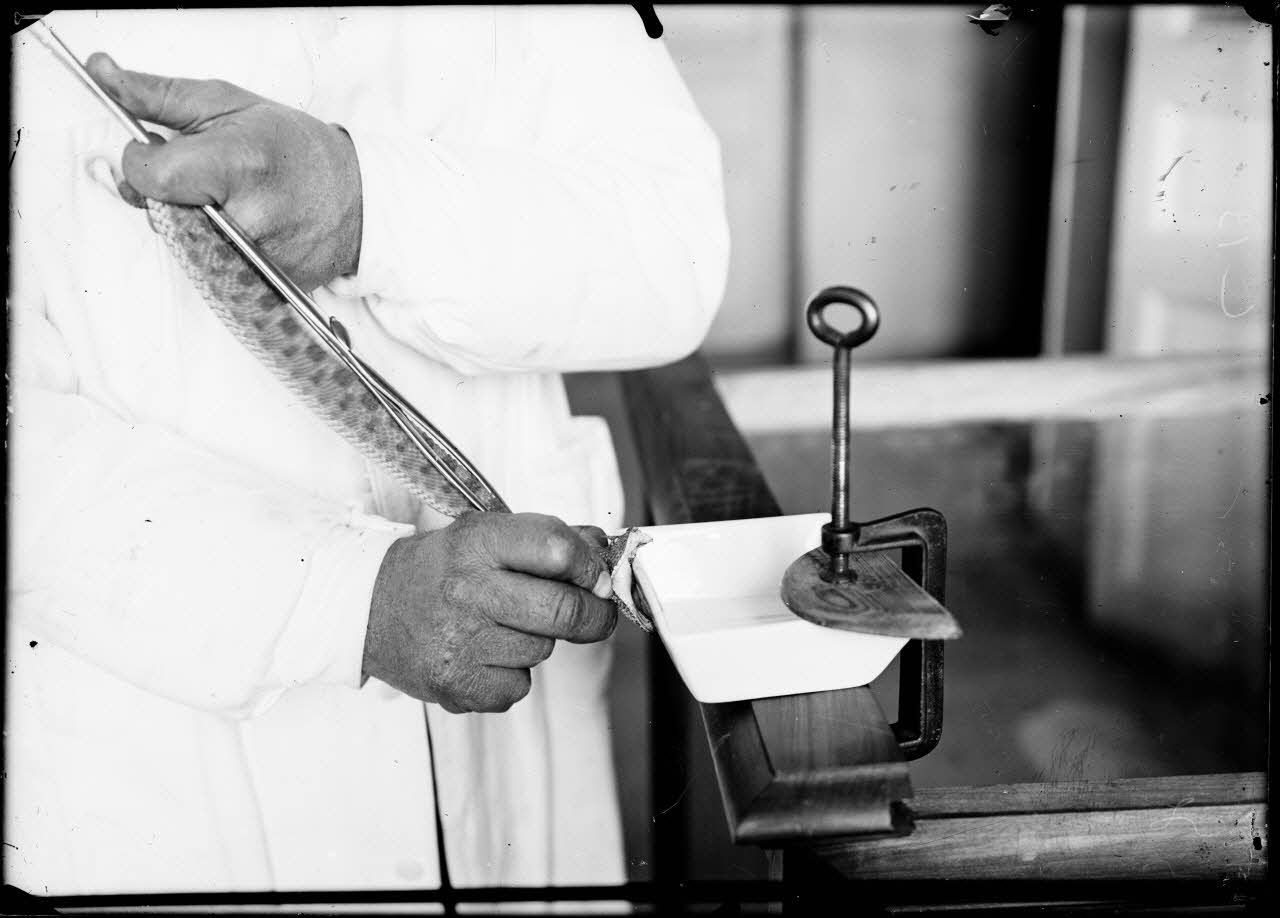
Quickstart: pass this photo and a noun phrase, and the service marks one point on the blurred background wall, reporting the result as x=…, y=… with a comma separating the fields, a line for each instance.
x=903, y=150
x=894, y=148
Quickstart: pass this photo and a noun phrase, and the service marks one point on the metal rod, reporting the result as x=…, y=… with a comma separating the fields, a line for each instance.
x=292, y=294
x=410, y=421
x=840, y=454
x=840, y=535
x=50, y=40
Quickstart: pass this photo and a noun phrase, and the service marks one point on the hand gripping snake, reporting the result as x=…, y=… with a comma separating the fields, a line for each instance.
x=260, y=319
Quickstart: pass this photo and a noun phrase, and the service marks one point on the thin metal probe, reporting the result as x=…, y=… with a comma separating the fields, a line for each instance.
x=49, y=38
x=301, y=303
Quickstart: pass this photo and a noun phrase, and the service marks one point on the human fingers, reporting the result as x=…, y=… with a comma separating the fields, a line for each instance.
x=488, y=690
x=177, y=103
x=510, y=649
x=533, y=543
x=185, y=170
x=593, y=536
x=535, y=605
x=528, y=604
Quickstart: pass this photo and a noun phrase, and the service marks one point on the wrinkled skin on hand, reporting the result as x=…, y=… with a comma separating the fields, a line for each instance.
x=290, y=181
x=461, y=615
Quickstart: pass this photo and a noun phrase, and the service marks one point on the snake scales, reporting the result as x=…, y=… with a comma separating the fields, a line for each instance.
x=261, y=320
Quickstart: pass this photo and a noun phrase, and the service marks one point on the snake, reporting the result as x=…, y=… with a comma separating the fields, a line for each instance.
x=260, y=318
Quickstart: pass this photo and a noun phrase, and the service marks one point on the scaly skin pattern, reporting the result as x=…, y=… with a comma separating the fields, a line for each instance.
x=263, y=322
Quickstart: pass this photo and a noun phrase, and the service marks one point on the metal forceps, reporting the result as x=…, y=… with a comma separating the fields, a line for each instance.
x=435, y=447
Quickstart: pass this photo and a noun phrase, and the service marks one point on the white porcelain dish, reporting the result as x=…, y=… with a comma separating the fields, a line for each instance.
x=713, y=589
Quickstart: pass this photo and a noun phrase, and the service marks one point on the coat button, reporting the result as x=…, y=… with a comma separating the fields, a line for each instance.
x=410, y=869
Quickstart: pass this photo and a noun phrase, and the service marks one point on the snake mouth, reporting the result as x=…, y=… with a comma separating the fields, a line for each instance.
x=619, y=556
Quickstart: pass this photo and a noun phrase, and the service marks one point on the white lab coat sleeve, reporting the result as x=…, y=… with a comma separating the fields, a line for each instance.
x=187, y=574
x=582, y=228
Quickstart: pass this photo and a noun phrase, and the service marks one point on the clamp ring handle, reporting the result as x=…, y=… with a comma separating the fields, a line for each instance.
x=848, y=296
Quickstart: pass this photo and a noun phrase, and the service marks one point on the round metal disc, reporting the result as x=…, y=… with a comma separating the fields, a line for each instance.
x=880, y=600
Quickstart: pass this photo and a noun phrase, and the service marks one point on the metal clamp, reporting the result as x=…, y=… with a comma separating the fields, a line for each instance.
x=920, y=534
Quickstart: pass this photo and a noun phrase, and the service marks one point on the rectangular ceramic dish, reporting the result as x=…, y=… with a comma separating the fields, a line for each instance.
x=713, y=590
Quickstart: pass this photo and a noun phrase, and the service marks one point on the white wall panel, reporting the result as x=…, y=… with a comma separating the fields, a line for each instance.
x=912, y=171
x=735, y=61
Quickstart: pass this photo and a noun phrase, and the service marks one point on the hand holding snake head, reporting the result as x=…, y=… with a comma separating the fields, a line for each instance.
x=461, y=615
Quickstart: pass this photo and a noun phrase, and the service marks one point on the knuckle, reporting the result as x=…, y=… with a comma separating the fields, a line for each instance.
x=559, y=553
x=486, y=696
x=568, y=611
x=465, y=528
x=254, y=161
x=260, y=222
x=514, y=689
x=465, y=687
x=539, y=524
x=600, y=621
x=221, y=88
x=168, y=96
x=532, y=649
x=454, y=593
x=542, y=650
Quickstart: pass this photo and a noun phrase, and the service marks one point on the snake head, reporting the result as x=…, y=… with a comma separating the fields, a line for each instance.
x=619, y=555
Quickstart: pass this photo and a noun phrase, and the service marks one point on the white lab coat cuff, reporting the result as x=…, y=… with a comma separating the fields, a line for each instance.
x=388, y=216
x=324, y=642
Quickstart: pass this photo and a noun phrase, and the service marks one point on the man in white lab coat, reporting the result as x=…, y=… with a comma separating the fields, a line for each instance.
x=223, y=622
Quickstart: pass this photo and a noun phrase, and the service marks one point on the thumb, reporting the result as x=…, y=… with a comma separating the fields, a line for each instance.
x=171, y=101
